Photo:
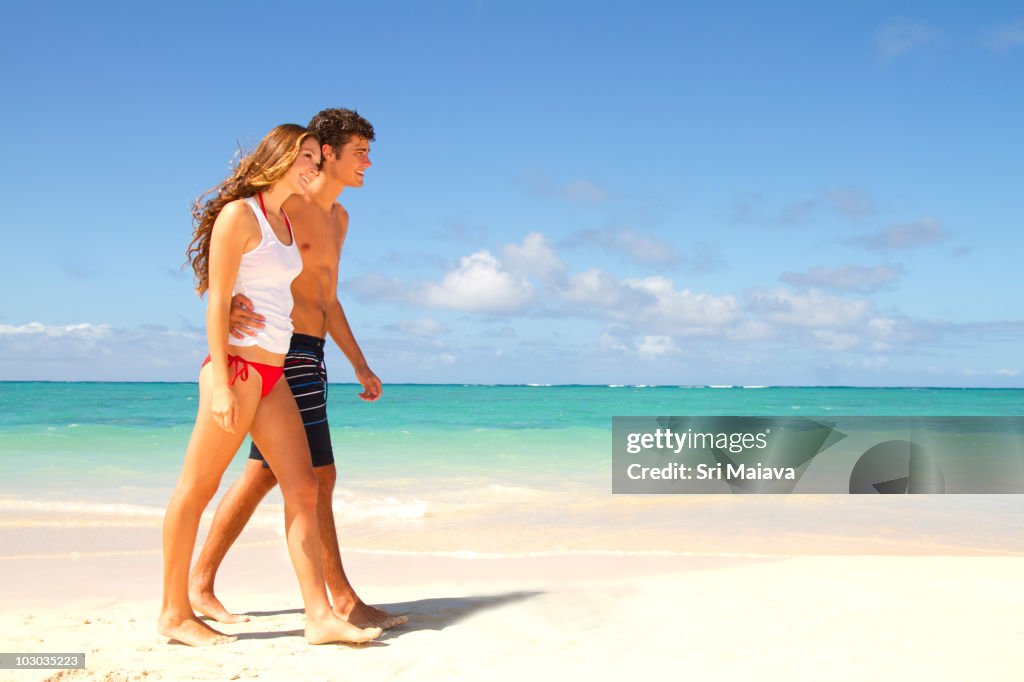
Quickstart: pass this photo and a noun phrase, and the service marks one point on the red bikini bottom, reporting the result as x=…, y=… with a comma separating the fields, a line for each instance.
x=240, y=366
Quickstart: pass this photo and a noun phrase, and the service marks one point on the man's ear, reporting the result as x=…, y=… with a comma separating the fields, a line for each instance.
x=327, y=151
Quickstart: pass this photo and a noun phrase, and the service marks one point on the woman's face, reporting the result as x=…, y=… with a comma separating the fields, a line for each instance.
x=306, y=166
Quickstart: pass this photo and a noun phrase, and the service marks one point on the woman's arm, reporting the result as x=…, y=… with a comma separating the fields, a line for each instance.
x=234, y=232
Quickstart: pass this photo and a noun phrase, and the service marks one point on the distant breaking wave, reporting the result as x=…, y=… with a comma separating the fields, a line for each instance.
x=87, y=508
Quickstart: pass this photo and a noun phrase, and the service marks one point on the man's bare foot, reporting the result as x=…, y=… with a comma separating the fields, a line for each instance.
x=206, y=603
x=366, y=616
x=191, y=631
x=334, y=629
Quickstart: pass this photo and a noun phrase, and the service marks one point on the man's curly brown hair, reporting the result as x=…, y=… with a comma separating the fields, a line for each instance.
x=335, y=127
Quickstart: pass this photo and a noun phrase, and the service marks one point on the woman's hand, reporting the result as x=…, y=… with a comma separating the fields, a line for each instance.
x=224, y=407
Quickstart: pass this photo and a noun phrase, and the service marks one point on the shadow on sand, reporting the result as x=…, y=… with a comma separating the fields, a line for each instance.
x=424, y=614
x=440, y=612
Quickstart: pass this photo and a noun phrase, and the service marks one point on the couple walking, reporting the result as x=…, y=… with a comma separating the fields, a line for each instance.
x=266, y=249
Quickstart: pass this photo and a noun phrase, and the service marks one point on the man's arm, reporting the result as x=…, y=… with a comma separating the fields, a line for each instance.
x=341, y=333
x=245, y=321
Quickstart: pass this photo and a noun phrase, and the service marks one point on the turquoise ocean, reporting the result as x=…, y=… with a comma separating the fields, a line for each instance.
x=455, y=462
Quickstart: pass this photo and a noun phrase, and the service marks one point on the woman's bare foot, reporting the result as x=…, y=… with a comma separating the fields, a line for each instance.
x=366, y=616
x=206, y=603
x=191, y=631
x=334, y=629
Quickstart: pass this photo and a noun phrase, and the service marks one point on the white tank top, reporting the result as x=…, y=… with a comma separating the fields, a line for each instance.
x=265, y=275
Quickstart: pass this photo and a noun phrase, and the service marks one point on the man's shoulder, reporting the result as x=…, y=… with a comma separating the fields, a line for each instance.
x=339, y=217
x=297, y=204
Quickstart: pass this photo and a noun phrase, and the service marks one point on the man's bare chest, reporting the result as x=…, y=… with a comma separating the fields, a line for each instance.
x=319, y=245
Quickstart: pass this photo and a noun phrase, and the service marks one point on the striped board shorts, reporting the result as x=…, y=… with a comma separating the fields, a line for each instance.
x=307, y=377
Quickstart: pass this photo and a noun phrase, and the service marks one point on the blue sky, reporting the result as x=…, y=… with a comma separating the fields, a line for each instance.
x=660, y=193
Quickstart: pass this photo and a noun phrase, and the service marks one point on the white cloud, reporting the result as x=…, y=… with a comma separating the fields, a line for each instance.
x=645, y=249
x=534, y=257
x=596, y=288
x=576, y=191
x=752, y=330
x=994, y=372
x=614, y=338
x=656, y=346
x=619, y=339
x=835, y=341
x=901, y=36
x=483, y=283
x=682, y=311
x=640, y=248
x=651, y=304
x=99, y=352
x=706, y=257
x=425, y=327
x=904, y=236
x=82, y=331
x=478, y=284
x=850, y=202
x=646, y=317
x=846, y=278
x=847, y=202
x=875, y=363
x=583, y=191
x=33, y=350
x=813, y=309
x=882, y=327
x=376, y=287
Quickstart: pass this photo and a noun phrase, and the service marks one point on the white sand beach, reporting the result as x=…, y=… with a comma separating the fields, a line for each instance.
x=555, y=615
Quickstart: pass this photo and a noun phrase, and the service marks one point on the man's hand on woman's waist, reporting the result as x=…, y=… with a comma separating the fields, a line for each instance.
x=244, y=321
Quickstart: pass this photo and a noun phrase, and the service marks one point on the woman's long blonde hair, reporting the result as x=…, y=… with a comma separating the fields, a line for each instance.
x=273, y=156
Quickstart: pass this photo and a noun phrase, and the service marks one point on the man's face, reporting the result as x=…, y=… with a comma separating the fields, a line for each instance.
x=350, y=162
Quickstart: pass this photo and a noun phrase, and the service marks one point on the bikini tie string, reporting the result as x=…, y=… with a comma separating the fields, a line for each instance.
x=240, y=367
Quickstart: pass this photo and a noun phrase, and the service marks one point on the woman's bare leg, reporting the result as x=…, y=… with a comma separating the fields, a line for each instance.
x=278, y=429
x=210, y=450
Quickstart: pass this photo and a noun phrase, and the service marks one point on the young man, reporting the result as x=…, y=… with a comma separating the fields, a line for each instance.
x=320, y=225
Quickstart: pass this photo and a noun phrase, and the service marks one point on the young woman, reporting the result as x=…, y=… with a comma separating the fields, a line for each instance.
x=243, y=244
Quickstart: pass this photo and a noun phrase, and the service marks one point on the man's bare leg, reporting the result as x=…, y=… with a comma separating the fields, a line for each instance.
x=347, y=603
x=233, y=512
